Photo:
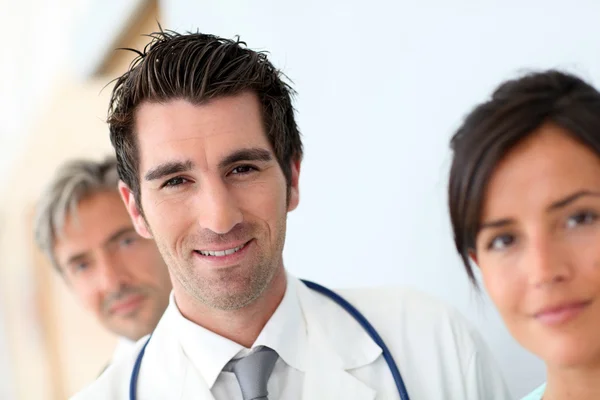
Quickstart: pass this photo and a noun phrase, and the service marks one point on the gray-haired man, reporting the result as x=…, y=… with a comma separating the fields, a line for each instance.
x=83, y=227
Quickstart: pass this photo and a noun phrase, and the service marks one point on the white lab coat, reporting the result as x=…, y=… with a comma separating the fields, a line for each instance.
x=439, y=355
x=124, y=348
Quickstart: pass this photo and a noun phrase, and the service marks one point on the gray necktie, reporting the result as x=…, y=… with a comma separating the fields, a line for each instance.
x=253, y=372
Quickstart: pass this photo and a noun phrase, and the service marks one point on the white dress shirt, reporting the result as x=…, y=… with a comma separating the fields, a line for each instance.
x=285, y=332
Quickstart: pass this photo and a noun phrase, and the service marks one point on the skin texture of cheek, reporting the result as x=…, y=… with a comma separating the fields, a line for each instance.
x=506, y=290
x=264, y=214
x=92, y=300
x=144, y=281
x=569, y=345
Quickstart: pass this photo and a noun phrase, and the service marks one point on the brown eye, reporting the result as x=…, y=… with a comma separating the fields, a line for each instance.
x=501, y=242
x=582, y=218
x=243, y=169
x=174, y=182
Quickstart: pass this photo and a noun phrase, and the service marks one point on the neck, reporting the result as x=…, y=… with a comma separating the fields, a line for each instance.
x=582, y=383
x=244, y=325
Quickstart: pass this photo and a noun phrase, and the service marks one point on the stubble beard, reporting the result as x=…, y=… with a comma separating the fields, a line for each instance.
x=231, y=288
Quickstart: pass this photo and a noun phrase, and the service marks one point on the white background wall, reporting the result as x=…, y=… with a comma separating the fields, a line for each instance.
x=381, y=86
x=35, y=47
x=7, y=389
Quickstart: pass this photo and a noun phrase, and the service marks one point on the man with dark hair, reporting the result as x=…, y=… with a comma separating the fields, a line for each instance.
x=209, y=156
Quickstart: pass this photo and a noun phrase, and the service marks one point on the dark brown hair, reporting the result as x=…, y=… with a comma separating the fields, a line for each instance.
x=198, y=67
x=516, y=109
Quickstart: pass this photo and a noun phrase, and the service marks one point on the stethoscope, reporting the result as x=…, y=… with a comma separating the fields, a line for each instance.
x=346, y=306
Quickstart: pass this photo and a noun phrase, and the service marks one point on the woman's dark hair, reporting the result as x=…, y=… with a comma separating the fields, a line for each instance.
x=516, y=109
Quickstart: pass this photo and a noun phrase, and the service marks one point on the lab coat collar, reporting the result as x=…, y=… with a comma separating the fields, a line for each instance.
x=337, y=343
x=285, y=332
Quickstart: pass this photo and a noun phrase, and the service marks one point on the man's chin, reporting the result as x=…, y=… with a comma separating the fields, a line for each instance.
x=229, y=297
x=131, y=329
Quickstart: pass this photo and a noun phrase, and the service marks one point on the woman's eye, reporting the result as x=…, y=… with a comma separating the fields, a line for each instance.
x=583, y=218
x=174, y=182
x=501, y=242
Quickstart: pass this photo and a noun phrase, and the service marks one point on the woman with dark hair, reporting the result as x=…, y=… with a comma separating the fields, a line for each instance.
x=524, y=198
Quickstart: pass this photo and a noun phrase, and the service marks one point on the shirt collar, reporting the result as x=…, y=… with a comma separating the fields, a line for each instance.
x=285, y=332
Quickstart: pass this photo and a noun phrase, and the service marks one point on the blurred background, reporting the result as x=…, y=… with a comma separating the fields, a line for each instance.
x=57, y=58
x=381, y=86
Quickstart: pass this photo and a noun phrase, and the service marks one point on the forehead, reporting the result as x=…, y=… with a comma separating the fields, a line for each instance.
x=545, y=167
x=202, y=133
x=97, y=218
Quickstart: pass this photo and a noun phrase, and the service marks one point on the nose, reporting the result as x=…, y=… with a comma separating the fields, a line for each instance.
x=547, y=263
x=219, y=209
x=110, y=275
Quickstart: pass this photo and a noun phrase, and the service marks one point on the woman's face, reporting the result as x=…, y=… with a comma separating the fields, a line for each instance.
x=539, y=246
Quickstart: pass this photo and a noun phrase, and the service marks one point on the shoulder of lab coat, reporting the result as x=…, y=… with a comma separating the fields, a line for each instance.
x=438, y=353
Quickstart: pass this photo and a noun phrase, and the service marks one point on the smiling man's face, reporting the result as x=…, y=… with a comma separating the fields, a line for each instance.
x=214, y=198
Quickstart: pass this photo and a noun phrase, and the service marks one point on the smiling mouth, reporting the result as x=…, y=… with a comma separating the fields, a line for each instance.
x=221, y=253
x=562, y=313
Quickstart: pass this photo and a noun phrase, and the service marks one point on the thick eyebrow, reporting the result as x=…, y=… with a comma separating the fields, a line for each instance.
x=111, y=239
x=552, y=207
x=252, y=154
x=495, y=224
x=76, y=257
x=168, y=168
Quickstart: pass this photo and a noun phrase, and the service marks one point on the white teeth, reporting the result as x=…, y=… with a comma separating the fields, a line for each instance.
x=220, y=253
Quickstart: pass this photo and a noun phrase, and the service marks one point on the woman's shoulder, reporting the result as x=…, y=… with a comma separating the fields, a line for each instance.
x=536, y=394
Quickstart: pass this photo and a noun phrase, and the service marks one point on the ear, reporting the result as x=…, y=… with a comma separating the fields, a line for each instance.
x=294, y=196
x=139, y=223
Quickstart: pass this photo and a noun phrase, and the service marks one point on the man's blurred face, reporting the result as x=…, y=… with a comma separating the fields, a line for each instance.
x=116, y=273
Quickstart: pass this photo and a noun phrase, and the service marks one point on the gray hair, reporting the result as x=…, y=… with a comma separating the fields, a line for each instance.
x=73, y=181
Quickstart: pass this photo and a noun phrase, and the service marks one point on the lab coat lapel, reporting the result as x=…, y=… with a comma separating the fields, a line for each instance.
x=326, y=378
x=326, y=375
x=166, y=372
